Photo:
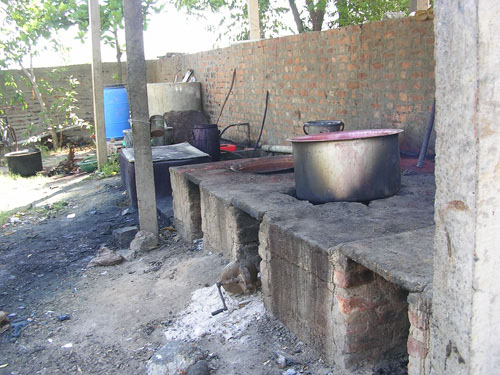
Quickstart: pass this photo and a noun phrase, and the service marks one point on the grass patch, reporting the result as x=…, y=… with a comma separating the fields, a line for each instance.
x=51, y=210
x=48, y=210
x=5, y=215
x=111, y=168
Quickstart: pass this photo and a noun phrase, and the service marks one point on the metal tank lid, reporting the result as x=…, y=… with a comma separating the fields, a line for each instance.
x=345, y=135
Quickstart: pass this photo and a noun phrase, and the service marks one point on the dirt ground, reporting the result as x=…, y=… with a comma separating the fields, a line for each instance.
x=118, y=315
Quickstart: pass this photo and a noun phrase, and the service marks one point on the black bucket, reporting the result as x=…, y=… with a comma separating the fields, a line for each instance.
x=206, y=139
x=25, y=163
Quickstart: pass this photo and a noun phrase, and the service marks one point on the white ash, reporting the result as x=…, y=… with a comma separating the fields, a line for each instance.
x=197, y=321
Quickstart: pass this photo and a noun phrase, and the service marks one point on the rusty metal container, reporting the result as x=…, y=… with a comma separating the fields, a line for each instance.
x=358, y=165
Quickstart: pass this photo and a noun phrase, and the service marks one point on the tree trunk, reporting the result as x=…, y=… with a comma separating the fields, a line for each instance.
x=118, y=56
x=317, y=13
x=296, y=16
x=30, y=74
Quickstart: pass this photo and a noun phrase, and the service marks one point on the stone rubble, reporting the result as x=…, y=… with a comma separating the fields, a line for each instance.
x=105, y=257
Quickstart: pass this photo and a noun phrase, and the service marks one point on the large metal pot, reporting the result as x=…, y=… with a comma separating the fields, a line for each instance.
x=359, y=165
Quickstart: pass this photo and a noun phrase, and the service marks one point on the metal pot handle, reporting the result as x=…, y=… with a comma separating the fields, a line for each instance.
x=304, y=129
x=341, y=126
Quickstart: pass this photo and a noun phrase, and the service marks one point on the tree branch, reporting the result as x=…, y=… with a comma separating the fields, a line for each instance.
x=296, y=16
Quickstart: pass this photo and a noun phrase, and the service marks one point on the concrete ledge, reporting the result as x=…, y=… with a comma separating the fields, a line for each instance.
x=404, y=259
x=338, y=275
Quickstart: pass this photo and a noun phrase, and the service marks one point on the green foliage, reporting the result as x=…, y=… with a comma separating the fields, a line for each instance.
x=308, y=15
x=233, y=21
x=356, y=12
x=25, y=24
x=111, y=168
x=112, y=22
x=52, y=209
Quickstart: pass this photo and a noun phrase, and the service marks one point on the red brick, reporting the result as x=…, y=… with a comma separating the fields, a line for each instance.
x=354, y=304
x=418, y=320
x=417, y=348
x=353, y=85
x=406, y=65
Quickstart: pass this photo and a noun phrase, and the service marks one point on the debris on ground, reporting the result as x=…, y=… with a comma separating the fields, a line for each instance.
x=284, y=360
x=17, y=326
x=144, y=241
x=119, y=315
x=124, y=236
x=127, y=254
x=4, y=321
x=197, y=245
x=240, y=277
x=199, y=368
x=174, y=358
x=67, y=166
x=63, y=317
x=106, y=257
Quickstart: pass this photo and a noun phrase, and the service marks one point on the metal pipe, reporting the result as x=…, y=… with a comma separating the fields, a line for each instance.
x=231, y=125
x=224, y=308
x=227, y=96
x=425, y=144
x=278, y=148
x=262, y=126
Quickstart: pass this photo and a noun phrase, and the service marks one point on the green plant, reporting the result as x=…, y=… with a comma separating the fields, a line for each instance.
x=111, y=168
x=309, y=15
x=44, y=150
x=52, y=209
x=112, y=24
x=24, y=25
x=5, y=215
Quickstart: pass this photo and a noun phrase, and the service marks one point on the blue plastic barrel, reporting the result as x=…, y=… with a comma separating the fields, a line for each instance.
x=116, y=111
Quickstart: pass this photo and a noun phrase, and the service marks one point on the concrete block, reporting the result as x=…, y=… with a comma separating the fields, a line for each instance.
x=186, y=204
x=124, y=236
x=348, y=314
x=226, y=228
x=144, y=241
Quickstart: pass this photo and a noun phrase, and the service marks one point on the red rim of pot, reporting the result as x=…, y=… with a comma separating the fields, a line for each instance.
x=345, y=135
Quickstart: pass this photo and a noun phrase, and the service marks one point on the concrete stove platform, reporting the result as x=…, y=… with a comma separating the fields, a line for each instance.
x=338, y=275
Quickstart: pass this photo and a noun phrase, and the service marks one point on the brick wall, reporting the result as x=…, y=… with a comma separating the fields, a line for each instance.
x=376, y=75
x=23, y=120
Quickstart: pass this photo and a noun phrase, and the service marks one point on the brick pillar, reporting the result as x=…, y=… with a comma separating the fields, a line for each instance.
x=419, y=314
x=466, y=301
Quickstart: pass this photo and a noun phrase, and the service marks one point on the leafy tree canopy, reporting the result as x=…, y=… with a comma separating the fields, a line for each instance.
x=308, y=15
x=24, y=25
x=112, y=22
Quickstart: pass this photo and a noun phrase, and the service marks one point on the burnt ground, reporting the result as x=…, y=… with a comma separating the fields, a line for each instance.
x=117, y=315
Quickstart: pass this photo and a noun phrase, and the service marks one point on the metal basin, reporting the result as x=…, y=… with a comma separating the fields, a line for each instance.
x=25, y=162
x=359, y=165
x=267, y=165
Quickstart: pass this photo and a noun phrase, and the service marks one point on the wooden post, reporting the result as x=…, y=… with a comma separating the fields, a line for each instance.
x=97, y=85
x=136, y=71
x=253, y=17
